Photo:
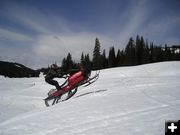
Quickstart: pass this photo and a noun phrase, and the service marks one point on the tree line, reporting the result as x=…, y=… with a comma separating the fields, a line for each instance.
x=136, y=52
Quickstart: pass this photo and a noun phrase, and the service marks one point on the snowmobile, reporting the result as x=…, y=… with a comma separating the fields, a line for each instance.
x=70, y=87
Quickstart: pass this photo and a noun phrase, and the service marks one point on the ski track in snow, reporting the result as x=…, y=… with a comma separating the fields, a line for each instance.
x=126, y=100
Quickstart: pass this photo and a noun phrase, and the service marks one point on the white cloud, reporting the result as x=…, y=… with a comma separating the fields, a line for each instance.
x=53, y=38
x=58, y=45
x=161, y=30
x=35, y=19
x=13, y=36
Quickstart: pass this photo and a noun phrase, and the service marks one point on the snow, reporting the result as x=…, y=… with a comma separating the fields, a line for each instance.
x=177, y=51
x=125, y=100
x=18, y=66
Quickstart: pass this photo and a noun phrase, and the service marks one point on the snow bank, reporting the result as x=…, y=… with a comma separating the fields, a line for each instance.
x=155, y=69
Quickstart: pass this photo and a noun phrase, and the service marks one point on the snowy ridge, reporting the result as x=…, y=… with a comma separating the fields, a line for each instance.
x=156, y=69
x=126, y=100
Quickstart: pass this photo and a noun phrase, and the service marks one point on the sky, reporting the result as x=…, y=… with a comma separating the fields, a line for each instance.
x=39, y=33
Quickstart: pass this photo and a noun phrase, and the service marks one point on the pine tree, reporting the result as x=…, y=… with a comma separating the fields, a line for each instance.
x=87, y=62
x=146, y=53
x=104, y=60
x=159, y=54
x=120, y=58
x=138, y=55
x=67, y=63
x=96, y=55
x=64, y=65
x=130, y=53
x=112, y=58
x=140, y=45
x=167, y=53
x=151, y=59
x=82, y=60
x=142, y=50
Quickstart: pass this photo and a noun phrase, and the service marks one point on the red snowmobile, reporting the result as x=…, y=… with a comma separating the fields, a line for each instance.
x=70, y=87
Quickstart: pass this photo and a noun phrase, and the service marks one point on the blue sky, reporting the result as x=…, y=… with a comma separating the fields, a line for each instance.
x=39, y=32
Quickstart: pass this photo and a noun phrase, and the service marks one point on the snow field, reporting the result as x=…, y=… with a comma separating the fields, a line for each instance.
x=126, y=100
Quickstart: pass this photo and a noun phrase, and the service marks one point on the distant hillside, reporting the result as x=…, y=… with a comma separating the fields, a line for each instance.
x=10, y=69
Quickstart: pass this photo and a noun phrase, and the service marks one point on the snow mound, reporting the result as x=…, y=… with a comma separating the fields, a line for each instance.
x=125, y=100
x=155, y=69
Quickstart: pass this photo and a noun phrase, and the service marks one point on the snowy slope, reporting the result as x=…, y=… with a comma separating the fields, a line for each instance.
x=126, y=100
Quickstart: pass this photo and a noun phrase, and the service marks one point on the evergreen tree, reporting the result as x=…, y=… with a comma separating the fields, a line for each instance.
x=104, y=60
x=151, y=60
x=67, y=63
x=87, y=63
x=139, y=52
x=96, y=55
x=142, y=50
x=130, y=53
x=167, y=53
x=82, y=60
x=112, y=58
x=120, y=58
x=64, y=65
x=140, y=45
x=157, y=54
x=146, y=53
